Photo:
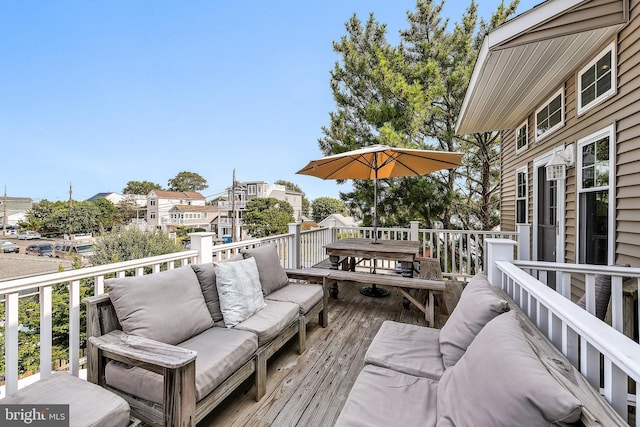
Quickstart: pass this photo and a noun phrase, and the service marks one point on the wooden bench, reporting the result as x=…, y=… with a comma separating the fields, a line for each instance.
x=332, y=277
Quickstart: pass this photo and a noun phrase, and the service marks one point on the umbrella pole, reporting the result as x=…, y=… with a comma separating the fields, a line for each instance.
x=373, y=290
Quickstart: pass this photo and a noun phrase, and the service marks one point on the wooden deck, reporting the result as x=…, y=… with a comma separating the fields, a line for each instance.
x=310, y=389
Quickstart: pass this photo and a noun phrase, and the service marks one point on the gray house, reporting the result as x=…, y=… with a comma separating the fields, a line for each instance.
x=561, y=83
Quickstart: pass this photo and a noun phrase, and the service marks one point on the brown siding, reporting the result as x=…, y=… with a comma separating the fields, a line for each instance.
x=622, y=109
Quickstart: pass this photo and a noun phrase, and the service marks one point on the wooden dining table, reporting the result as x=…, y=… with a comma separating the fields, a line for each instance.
x=403, y=251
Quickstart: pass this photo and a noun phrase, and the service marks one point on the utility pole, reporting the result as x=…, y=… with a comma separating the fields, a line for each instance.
x=233, y=207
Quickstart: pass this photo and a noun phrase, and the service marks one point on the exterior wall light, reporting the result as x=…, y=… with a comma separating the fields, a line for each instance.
x=556, y=169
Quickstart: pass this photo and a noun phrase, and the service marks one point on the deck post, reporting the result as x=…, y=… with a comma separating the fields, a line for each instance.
x=524, y=252
x=497, y=250
x=414, y=234
x=296, y=256
x=203, y=242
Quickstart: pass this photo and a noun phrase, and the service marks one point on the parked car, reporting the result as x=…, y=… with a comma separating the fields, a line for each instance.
x=7, y=246
x=70, y=250
x=41, y=249
x=29, y=235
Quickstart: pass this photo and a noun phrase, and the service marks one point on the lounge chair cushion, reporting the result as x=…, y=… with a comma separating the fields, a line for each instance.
x=221, y=352
x=239, y=289
x=306, y=296
x=478, y=304
x=269, y=322
x=506, y=382
x=89, y=404
x=207, y=278
x=410, y=349
x=383, y=397
x=166, y=307
x=272, y=275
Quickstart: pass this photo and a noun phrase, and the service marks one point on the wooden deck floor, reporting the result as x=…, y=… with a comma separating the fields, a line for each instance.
x=310, y=389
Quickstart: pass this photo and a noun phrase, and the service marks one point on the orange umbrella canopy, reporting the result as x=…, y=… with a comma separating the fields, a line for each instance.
x=381, y=161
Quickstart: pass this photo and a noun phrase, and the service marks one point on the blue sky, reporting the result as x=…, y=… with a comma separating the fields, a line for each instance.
x=98, y=93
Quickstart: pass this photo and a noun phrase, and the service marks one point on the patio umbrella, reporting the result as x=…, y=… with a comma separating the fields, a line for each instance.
x=379, y=162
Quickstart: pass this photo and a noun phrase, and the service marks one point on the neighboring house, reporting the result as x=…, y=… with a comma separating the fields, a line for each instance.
x=561, y=83
x=236, y=204
x=193, y=216
x=160, y=203
x=15, y=209
x=114, y=198
x=338, y=220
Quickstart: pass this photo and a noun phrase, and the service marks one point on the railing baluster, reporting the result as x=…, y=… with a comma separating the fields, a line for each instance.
x=11, y=342
x=617, y=321
x=46, y=330
x=570, y=341
x=590, y=363
x=74, y=327
x=590, y=293
x=615, y=387
x=555, y=330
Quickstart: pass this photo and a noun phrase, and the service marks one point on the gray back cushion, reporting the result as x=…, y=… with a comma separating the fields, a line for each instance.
x=478, y=304
x=166, y=307
x=272, y=275
x=502, y=382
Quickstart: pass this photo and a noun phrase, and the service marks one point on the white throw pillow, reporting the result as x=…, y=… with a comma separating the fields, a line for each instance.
x=239, y=289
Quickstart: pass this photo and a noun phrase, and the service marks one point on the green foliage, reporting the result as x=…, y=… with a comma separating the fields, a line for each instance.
x=187, y=181
x=140, y=187
x=129, y=243
x=267, y=217
x=324, y=206
x=61, y=218
x=410, y=95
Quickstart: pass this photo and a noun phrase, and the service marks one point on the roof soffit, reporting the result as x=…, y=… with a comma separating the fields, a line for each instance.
x=516, y=71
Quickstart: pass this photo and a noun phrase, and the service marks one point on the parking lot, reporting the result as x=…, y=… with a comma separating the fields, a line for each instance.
x=17, y=265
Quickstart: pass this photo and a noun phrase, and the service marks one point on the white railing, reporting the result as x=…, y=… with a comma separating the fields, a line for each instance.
x=43, y=285
x=239, y=204
x=461, y=252
x=296, y=249
x=603, y=354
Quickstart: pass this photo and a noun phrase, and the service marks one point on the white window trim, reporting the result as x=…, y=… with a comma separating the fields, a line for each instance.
x=608, y=131
x=523, y=169
x=612, y=91
x=524, y=125
x=544, y=104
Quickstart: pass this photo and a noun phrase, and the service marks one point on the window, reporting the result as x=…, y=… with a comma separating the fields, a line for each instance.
x=521, y=196
x=152, y=216
x=522, y=137
x=153, y=202
x=550, y=116
x=595, y=176
x=251, y=190
x=596, y=81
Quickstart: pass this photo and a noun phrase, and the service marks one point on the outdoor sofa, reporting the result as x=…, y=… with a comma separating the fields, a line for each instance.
x=174, y=344
x=488, y=366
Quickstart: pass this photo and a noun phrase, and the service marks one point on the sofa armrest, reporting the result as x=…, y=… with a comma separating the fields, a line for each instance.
x=138, y=351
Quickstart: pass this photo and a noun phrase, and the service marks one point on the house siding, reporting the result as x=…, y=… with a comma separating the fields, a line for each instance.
x=623, y=111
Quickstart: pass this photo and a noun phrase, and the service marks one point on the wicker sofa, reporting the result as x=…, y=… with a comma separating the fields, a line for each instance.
x=175, y=344
x=489, y=365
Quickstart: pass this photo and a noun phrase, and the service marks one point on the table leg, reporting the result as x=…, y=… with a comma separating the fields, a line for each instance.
x=335, y=261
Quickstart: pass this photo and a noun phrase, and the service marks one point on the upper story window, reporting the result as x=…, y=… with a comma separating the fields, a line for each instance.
x=251, y=190
x=550, y=116
x=152, y=202
x=521, y=196
x=522, y=138
x=597, y=80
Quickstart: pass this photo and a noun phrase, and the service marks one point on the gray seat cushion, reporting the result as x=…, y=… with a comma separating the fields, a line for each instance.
x=221, y=352
x=89, y=404
x=166, y=307
x=272, y=275
x=306, y=296
x=382, y=397
x=269, y=322
x=478, y=304
x=504, y=383
x=411, y=349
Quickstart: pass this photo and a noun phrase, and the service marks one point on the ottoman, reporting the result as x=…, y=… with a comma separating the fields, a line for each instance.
x=89, y=404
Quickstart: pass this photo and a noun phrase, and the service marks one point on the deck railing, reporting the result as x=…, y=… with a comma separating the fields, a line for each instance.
x=296, y=248
x=604, y=355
